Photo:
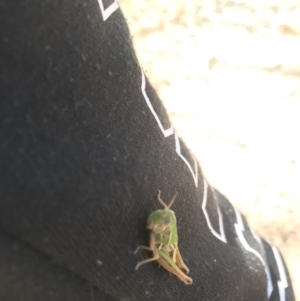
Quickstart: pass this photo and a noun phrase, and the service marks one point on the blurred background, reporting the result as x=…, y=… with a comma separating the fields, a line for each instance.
x=228, y=73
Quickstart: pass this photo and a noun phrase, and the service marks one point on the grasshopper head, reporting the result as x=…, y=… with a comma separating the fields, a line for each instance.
x=160, y=220
x=162, y=224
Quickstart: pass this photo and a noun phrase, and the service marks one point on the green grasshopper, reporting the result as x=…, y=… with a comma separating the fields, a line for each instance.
x=164, y=242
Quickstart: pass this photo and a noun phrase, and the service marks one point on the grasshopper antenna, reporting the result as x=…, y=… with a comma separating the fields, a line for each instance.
x=163, y=203
x=172, y=201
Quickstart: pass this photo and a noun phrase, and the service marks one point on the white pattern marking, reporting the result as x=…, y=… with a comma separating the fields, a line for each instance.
x=240, y=228
x=167, y=132
x=178, y=151
x=107, y=12
x=220, y=236
x=267, y=269
x=282, y=283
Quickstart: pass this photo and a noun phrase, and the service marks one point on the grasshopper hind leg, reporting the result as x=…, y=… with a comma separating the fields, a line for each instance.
x=180, y=262
x=176, y=271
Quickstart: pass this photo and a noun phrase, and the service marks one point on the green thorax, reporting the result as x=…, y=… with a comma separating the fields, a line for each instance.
x=164, y=227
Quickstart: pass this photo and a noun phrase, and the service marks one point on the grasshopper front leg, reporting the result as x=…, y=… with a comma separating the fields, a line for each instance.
x=151, y=248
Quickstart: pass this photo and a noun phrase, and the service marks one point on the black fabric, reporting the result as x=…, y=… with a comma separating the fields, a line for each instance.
x=26, y=274
x=85, y=144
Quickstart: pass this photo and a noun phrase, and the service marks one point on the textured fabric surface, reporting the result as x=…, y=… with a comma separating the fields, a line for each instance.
x=85, y=144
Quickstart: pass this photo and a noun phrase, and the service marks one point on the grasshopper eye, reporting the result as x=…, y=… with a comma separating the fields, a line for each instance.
x=150, y=224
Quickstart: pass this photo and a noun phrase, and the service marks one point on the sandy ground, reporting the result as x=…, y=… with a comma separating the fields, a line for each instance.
x=228, y=73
